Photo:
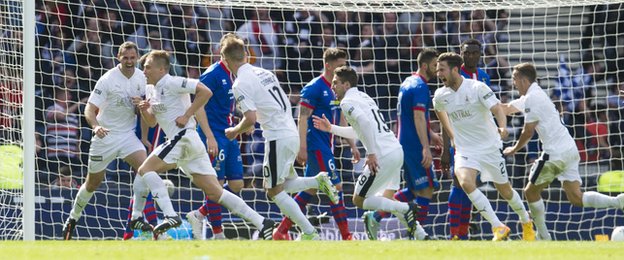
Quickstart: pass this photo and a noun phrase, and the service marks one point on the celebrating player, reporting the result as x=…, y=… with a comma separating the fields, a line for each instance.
x=261, y=98
x=384, y=155
x=111, y=115
x=316, y=147
x=560, y=157
x=465, y=109
x=168, y=103
x=415, y=137
x=459, y=204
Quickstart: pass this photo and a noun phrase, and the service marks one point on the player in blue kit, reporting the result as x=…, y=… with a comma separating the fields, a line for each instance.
x=316, y=147
x=459, y=204
x=415, y=137
x=224, y=153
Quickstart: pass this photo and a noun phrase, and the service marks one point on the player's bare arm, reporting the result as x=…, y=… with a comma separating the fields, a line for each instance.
x=144, y=132
x=447, y=141
x=304, y=115
x=91, y=116
x=248, y=121
x=501, y=119
x=211, y=143
x=421, y=129
x=525, y=137
x=202, y=95
x=508, y=109
x=354, y=150
x=145, y=109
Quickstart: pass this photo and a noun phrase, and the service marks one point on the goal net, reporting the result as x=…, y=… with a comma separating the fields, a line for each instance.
x=577, y=47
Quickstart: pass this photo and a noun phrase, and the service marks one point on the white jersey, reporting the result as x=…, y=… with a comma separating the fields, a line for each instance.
x=113, y=96
x=169, y=99
x=363, y=115
x=537, y=107
x=472, y=122
x=259, y=90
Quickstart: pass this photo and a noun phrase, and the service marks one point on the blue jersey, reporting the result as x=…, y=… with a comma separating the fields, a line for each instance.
x=481, y=75
x=413, y=96
x=318, y=96
x=220, y=107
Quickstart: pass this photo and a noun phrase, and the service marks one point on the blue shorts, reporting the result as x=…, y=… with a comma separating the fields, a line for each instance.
x=415, y=175
x=322, y=161
x=228, y=163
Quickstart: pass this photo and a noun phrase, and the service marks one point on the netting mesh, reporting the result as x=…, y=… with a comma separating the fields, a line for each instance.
x=577, y=47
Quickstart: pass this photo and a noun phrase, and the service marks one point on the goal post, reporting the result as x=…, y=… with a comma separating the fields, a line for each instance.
x=53, y=47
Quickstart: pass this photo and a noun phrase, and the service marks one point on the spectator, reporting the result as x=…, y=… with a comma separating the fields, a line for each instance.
x=263, y=37
x=62, y=132
x=64, y=179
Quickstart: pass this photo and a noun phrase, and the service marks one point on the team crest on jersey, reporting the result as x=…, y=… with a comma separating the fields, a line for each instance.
x=325, y=93
x=241, y=98
x=488, y=95
x=223, y=81
x=350, y=110
x=527, y=110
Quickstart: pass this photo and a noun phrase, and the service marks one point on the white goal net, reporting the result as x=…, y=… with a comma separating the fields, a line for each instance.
x=577, y=47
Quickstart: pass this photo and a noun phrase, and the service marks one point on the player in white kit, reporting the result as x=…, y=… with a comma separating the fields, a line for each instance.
x=168, y=103
x=384, y=155
x=560, y=157
x=465, y=108
x=112, y=116
x=260, y=97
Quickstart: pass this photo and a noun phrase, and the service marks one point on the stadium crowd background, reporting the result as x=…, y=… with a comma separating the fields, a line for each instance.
x=77, y=41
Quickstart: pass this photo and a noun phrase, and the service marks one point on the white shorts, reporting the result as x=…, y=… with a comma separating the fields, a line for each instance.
x=563, y=166
x=492, y=166
x=279, y=159
x=188, y=152
x=114, y=145
x=388, y=175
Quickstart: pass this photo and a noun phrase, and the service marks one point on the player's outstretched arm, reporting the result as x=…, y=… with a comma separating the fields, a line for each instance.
x=248, y=121
x=525, y=137
x=509, y=109
x=324, y=125
x=202, y=95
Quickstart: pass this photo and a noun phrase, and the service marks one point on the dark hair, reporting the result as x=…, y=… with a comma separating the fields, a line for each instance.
x=426, y=56
x=527, y=70
x=452, y=59
x=348, y=74
x=471, y=41
x=333, y=54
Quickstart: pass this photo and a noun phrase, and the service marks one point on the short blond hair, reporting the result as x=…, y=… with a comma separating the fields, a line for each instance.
x=161, y=58
x=233, y=48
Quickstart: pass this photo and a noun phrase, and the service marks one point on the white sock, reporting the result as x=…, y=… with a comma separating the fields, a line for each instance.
x=290, y=208
x=159, y=193
x=597, y=200
x=516, y=204
x=384, y=204
x=538, y=211
x=80, y=202
x=484, y=207
x=237, y=206
x=300, y=183
x=140, y=192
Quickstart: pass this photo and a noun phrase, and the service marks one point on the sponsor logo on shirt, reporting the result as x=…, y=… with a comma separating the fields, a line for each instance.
x=325, y=93
x=224, y=81
x=97, y=158
x=350, y=110
x=527, y=110
x=184, y=83
x=97, y=91
x=460, y=114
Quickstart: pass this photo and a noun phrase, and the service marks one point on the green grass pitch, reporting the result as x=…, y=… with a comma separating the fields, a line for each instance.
x=206, y=250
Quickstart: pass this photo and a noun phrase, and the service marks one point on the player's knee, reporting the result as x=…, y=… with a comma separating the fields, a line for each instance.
x=358, y=201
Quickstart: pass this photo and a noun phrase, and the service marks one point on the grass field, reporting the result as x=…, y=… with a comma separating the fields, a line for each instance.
x=204, y=250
